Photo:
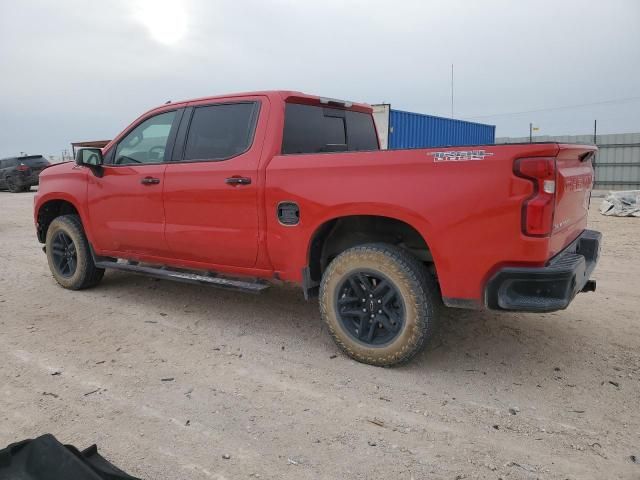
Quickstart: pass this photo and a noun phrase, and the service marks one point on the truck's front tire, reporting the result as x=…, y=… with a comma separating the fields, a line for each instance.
x=69, y=254
x=379, y=303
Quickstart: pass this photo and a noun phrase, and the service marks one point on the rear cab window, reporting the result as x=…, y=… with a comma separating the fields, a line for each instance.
x=318, y=129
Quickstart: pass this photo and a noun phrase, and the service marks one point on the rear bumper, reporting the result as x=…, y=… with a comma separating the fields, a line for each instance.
x=32, y=179
x=23, y=180
x=548, y=288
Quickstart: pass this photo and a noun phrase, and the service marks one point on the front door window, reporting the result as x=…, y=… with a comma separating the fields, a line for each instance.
x=147, y=142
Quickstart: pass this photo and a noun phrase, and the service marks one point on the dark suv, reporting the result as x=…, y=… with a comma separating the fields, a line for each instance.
x=18, y=174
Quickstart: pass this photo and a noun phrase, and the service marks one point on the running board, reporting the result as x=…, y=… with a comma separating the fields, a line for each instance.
x=187, y=277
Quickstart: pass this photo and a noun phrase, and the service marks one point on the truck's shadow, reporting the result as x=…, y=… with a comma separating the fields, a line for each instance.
x=478, y=343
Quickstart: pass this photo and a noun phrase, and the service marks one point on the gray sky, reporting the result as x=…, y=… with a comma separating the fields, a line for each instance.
x=83, y=70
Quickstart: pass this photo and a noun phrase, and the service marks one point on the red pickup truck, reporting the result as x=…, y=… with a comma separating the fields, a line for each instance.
x=239, y=190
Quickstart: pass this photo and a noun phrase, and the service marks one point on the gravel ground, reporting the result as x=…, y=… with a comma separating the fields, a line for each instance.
x=178, y=381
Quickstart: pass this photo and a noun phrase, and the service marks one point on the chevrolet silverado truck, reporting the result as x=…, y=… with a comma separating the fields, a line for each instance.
x=241, y=191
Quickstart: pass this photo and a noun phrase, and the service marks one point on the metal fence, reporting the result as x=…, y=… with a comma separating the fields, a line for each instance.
x=617, y=163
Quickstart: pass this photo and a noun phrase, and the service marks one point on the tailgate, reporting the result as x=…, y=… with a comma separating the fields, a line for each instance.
x=574, y=180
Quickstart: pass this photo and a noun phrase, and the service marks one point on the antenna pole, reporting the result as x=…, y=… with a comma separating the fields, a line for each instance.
x=452, y=90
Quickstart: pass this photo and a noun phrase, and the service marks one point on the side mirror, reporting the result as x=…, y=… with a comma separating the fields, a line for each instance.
x=91, y=158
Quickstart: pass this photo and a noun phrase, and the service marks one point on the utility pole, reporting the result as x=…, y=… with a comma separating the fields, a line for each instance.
x=530, y=132
x=595, y=142
x=452, y=90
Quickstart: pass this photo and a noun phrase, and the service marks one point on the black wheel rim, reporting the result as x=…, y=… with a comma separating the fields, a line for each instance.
x=370, y=307
x=63, y=252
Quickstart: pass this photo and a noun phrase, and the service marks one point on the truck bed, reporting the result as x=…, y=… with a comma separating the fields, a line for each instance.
x=465, y=201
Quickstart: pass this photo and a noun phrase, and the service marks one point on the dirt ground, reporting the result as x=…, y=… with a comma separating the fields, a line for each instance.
x=170, y=379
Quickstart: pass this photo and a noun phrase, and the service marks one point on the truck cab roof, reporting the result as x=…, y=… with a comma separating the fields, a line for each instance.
x=283, y=95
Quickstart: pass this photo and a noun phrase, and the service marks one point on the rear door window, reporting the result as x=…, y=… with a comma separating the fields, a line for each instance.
x=317, y=129
x=219, y=132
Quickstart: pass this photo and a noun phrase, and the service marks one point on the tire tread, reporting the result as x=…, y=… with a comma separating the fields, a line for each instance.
x=90, y=274
x=420, y=281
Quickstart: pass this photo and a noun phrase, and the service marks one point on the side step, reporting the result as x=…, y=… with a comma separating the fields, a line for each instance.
x=187, y=277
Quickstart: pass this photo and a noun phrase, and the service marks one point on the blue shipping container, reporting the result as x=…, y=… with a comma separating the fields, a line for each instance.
x=416, y=130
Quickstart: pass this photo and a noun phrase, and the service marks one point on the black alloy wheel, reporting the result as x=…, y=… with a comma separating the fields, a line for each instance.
x=65, y=257
x=370, y=308
x=379, y=303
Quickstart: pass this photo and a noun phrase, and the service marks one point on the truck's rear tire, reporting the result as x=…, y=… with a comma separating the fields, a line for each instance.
x=69, y=254
x=379, y=303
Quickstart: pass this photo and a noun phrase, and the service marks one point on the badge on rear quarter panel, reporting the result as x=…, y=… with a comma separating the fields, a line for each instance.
x=460, y=155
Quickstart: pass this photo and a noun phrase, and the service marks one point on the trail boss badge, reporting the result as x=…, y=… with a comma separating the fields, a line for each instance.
x=460, y=155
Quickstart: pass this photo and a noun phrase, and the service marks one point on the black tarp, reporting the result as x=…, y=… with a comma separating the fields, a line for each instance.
x=45, y=458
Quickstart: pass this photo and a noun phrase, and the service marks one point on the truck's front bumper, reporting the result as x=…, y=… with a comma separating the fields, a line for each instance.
x=548, y=288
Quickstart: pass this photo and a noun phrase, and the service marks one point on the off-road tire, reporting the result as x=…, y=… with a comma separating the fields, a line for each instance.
x=86, y=273
x=416, y=286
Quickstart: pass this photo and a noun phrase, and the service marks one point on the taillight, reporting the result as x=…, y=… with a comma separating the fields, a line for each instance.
x=22, y=168
x=537, y=210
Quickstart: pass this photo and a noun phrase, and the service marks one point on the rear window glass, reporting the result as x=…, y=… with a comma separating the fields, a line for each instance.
x=361, y=131
x=315, y=129
x=218, y=132
x=35, y=162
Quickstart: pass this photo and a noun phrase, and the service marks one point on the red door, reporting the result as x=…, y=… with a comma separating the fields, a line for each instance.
x=126, y=214
x=126, y=205
x=211, y=191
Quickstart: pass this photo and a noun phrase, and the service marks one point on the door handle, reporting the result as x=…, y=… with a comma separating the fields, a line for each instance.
x=150, y=181
x=238, y=181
